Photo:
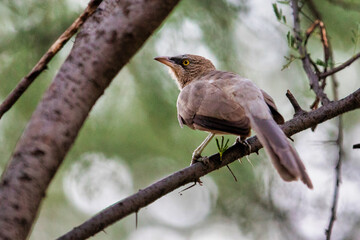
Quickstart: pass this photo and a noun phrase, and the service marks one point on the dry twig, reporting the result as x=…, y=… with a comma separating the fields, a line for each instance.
x=341, y=67
x=298, y=110
x=305, y=58
x=40, y=66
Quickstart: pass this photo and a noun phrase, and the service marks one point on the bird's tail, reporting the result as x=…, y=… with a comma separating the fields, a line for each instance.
x=283, y=156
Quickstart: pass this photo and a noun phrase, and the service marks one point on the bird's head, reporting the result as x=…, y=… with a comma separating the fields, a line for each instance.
x=186, y=68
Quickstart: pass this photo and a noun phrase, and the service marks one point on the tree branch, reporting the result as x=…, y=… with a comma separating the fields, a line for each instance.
x=339, y=142
x=107, y=41
x=144, y=197
x=339, y=68
x=305, y=58
x=16, y=93
x=298, y=110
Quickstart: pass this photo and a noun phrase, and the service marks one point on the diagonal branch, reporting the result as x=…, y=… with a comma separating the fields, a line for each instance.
x=144, y=197
x=339, y=68
x=40, y=66
x=298, y=110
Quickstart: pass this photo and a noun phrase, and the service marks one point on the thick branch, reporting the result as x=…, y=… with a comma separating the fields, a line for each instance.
x=16, y=93
x=105, y=44
x=155, y=191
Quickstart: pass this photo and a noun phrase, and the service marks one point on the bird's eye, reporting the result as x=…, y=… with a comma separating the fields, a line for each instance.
x=185, y=62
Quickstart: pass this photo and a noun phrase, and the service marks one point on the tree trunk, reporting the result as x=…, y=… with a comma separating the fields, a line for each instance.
x=106, y=43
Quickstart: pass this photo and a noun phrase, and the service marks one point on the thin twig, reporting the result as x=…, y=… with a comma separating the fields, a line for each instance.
x=341, y=67
x=339, y=142
x=232, y=173
x=317, y=70
x=46, y=58
x=305, y=58
x=318, y=23
x=324, y=39
x=298, y=110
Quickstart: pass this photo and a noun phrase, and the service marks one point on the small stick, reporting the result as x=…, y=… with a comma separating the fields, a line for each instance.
x=324, y=40
x=341, y=67
x=231, y=173
x=46, y=58
x=298, y=110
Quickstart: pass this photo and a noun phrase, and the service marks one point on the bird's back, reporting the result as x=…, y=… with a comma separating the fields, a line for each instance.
x=205, y=105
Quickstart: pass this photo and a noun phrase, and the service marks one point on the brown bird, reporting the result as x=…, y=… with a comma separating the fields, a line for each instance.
x=225, y=103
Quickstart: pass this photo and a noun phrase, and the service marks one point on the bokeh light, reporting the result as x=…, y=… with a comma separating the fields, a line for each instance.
x=95, y=182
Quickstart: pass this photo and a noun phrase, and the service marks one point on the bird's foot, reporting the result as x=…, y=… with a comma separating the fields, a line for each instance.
x=248, y=146
x=198, y=158
x=244, y=143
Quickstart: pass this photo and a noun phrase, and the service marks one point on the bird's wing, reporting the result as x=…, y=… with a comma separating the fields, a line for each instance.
x=202, y=105
x=271, y=104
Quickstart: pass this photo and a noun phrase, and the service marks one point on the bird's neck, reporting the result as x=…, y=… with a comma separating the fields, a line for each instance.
x=186, y=80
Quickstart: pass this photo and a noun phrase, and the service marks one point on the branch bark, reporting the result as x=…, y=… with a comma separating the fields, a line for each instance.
x=105, y=44
x=144, y=197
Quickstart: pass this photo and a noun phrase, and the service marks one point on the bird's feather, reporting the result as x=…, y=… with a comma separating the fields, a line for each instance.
x=202, y=105
x=283, y=156
x=271, y=104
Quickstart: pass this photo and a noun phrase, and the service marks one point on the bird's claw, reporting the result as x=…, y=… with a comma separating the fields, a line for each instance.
x=244, y=143
x=198, y=158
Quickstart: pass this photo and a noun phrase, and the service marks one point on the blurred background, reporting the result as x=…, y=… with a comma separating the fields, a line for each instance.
x=132, y=137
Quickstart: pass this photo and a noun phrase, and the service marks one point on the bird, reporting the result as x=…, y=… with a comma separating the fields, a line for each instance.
x=221, y=103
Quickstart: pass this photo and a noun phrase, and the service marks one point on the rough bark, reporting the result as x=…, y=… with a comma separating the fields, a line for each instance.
x=105, y=44
x=144, y=197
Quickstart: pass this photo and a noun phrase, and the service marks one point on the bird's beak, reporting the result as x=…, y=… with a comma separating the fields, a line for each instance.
x=165, y=60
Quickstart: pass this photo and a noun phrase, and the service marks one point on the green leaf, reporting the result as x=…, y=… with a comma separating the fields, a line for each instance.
x=288, y=37
x=276, y=11
x=289, y=60
x=222, y=147
x=320, y=62
x=292, y=42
